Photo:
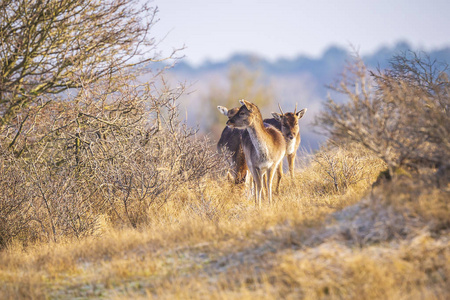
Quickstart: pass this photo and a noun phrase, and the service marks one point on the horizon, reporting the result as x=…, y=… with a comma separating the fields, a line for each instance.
x=394, y=47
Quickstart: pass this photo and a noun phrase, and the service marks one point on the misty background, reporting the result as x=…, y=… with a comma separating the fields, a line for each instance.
x=301, y=80
x=286, y=51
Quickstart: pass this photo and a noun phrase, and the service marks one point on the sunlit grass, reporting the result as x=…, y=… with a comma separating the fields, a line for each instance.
x=213, y=243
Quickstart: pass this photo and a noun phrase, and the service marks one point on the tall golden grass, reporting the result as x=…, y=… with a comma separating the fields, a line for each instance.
x=317, y=241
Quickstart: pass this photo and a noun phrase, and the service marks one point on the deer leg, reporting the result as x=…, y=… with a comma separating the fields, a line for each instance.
x=257, y=178
x=279, y=175
x=291, y=160
x=264, y=187
x=270, y=174
x=249, y=183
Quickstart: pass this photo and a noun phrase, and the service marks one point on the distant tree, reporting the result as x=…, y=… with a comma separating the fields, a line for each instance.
x=49, y=46
x=243, y=84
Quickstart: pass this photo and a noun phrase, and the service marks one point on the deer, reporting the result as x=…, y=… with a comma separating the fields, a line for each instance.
x=264, y=146
x=287, y=124
x=230, y=139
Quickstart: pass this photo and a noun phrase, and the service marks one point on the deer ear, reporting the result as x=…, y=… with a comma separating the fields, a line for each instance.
x=223, y=110
x=246, y=104
x=277, y=116
x=301, y=113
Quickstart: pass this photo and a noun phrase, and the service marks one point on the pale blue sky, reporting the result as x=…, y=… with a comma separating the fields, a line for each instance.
x=286, y=28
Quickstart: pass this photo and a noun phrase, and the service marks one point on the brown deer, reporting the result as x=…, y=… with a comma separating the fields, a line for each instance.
x=230, y=140
x=264, y=147
x=287, y=123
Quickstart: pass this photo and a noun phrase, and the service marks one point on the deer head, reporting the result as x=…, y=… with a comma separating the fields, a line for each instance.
x=228, y=112
x=289, y=122
x=247, y=115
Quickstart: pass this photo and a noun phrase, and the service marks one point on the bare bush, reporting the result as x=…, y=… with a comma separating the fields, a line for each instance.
x=341, y=167
x=401, y=114
x=79, y=138
x=15, y=196
x=114, y=148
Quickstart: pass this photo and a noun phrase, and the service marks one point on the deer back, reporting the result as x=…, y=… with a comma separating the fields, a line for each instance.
x=230, y=139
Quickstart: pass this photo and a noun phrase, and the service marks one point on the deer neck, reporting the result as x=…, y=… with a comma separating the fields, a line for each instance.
x=290, y=146
x=257, y=133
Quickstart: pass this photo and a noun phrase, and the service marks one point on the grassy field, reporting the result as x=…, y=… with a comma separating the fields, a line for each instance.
x=329, y=235
x=107, y=193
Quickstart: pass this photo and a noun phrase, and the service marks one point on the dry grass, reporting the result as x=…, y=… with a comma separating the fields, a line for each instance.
x=316, y=242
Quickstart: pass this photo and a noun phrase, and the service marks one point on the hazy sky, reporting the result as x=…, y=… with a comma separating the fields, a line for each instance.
x=286, y=28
